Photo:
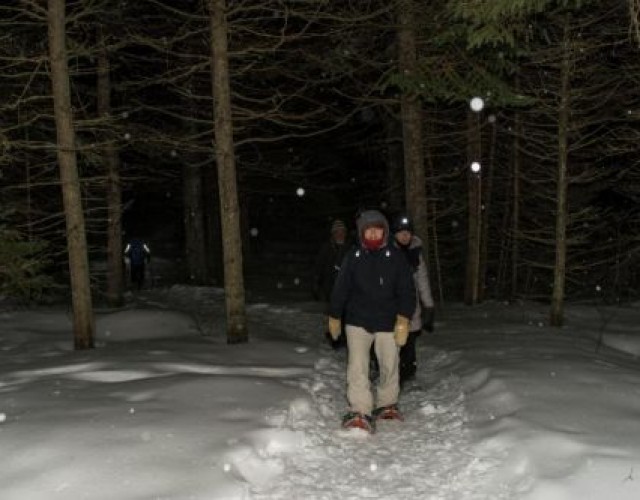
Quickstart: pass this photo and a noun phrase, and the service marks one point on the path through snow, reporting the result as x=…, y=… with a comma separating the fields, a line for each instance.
x=428, y=456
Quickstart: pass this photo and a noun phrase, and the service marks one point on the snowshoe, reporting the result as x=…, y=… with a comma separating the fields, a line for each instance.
x=355, y=420
x=390, y=412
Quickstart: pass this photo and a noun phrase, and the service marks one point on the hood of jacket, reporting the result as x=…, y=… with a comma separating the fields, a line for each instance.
x=370, y=218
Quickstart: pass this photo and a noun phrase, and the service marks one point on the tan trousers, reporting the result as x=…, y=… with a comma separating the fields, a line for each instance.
x=359, y=391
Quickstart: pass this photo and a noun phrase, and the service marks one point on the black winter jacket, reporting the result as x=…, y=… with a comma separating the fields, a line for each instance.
x=373, y=287
x=327, y=266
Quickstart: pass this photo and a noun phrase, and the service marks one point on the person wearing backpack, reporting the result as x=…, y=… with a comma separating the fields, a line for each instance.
x=137, y=254
x=374, y=295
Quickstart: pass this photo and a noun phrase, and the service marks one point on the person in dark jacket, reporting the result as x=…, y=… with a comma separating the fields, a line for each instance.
x=329, y=259
x=411, y=246
x=375, y=296
x=137, y=255
x=327, y=266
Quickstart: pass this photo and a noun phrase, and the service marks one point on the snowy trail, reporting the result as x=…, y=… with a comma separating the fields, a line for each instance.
x=431, y=446
x=307, y=455
x=503, y=408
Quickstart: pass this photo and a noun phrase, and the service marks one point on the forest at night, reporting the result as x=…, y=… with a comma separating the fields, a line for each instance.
x=217, y=130
x=200, y=199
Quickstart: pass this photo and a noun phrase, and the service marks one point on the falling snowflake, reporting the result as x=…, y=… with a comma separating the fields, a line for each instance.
x=477, y=104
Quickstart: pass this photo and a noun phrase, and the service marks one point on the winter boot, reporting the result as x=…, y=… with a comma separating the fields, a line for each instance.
x=389, y=412
x=356, y=420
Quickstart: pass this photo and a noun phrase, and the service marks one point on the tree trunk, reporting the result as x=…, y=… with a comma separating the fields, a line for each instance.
x=487, y=195
x=559, y=272
x=83, y=322
x=515, y=207
x=474, y=226
x=194, y=223
x=431, y=247
x=27, y=170
x=193, y=195
x=212, y=224
x=411, y=112
x=229, y=211
x=395, y=174
x=115, y=271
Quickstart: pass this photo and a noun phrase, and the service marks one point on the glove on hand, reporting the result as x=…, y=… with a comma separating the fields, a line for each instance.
x=427, y=319
x=335, y=328
x=401, y=330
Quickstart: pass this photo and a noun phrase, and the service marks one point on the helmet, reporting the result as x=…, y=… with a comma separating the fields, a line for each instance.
x=401, y=222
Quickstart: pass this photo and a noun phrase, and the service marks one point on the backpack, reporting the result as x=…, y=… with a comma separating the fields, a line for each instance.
x=137, y=252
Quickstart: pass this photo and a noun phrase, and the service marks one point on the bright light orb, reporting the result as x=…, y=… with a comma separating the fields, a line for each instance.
x=300, y=192
x=475, y=167
x=477, y=104
x=253, y=231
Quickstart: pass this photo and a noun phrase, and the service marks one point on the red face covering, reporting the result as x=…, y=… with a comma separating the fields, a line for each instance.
x=372, y=244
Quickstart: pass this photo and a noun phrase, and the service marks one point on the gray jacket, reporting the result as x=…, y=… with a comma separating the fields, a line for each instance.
x=424, y=298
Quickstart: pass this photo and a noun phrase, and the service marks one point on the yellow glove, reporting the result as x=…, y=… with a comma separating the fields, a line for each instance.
x=401, y=330
x=335, y=328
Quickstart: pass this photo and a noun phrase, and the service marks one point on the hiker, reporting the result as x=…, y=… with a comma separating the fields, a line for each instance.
x=327, y=265
x=137, y=254
x=375, y=294
x=411, y=247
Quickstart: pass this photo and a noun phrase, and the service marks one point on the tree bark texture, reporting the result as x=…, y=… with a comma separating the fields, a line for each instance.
x=111, y=160
x=212, y=224
x=83, y=322
x=411, y=113
x=193, y=189
x=229, y=210
x=194, y=223
x=515, y=206
x=394, y=155
x=487, y=195
x=559, y=272
x=474, y=225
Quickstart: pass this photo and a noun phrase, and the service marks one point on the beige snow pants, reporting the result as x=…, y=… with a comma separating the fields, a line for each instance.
x=359, y=392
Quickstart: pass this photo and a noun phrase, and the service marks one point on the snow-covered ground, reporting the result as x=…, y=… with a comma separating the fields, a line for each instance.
x=504, y=407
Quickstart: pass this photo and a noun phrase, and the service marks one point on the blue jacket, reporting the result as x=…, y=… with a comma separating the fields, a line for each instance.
x=138, y=252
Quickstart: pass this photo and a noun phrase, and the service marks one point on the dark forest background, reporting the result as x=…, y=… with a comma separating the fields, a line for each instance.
x=362, y=104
